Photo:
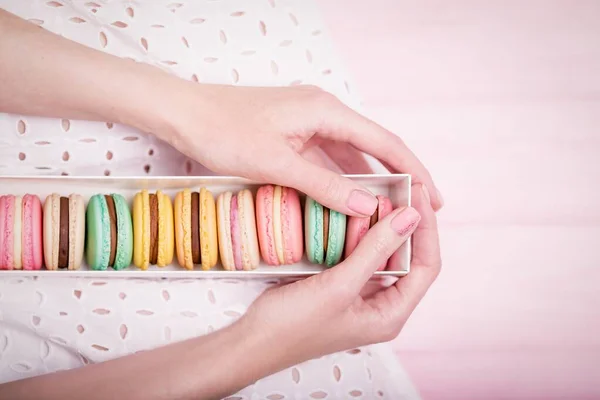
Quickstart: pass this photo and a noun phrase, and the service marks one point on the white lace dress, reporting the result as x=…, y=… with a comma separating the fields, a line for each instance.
x=50, y=324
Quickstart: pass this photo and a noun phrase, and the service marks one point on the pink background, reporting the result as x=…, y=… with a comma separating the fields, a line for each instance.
x=501, y=100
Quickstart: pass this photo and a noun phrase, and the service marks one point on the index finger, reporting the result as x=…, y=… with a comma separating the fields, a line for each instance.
x=373, y=139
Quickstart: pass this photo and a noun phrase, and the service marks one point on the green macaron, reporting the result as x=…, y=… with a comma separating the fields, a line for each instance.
x=325, y=233
x=109, y=238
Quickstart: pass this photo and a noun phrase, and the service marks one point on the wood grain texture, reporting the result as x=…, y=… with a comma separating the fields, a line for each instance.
x=501, y=100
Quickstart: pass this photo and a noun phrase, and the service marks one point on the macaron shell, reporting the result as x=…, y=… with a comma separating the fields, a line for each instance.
x=336, y=238
x=124, y=251
x=224, y=230
x=2, y=221
x=264, y=221
x=291, y=226
x=33, y=252
x=166, y=236
x=236, y=233
x=250, y=252
x=384, y=206
x=277, y=226
x=183, y=216
x=18, y=233
x=209, y=246
x=138, y=234
x=357, y=228
x=6, y=256
x=313, y=226
x=98, y=232
x=51, y=230
x=77, y=219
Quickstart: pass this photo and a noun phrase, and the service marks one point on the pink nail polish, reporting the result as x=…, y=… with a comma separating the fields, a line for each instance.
x=362, y=202
x=406, y=221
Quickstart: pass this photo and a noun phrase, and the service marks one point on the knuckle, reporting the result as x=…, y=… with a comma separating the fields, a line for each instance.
x=324, y=99
x=331, y=188
x=383, y=246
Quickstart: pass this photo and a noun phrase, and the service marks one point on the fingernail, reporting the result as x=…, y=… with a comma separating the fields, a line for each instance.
x=426, y=193
x=440, y=197
x=362, y=202
x=406, y=221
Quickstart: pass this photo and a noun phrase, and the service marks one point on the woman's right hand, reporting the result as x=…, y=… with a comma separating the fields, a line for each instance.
x=261, y=133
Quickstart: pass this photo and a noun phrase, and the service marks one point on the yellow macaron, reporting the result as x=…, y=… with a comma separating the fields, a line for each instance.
x=196, y=229
x=153, y=236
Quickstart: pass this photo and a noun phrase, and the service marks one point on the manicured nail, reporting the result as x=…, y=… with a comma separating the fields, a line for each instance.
x=425, y=193
x=406, y=221
x=440, y=197
x=362, y=202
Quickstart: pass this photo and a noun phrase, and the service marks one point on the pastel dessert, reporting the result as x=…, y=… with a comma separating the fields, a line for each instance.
x=196, y=229
x=153, y=237
x=64, y=231
x=325, y=232
x=109, y=232
x=359, y=226
x=279, y=224
x=236, y=225
x=21, y=244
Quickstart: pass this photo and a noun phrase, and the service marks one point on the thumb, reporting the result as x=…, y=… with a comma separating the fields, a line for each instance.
x=380, y=242
x=327, y=187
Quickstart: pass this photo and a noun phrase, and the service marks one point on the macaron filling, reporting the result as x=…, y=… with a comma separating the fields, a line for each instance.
x=112, y=215
x=195, y=224
x=63, y=238
x=236, y=240
x=374, y=218
x=325, y=228
x=153, y=201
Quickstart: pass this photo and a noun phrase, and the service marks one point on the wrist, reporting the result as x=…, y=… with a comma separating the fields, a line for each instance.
x=144, y=98
x=235, y=357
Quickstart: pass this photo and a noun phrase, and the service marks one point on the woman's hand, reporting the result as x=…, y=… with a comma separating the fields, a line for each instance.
x=261, y=134
x=258, y=133
x=284, y=326
x=326, y=312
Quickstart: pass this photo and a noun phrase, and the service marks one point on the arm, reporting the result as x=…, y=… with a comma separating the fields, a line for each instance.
x=257, y=133
x=47, y=75
x=280, y=329
x=208, y=367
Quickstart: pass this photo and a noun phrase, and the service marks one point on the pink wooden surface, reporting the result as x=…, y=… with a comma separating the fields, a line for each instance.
x=501, y=100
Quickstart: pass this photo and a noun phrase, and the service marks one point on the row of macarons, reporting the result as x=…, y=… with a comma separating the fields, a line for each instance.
x=237, y=228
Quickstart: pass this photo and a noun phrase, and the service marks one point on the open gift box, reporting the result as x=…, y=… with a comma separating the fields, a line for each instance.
x=396, y=186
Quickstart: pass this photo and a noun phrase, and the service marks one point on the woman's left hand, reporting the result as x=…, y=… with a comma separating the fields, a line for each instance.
x=327, y=313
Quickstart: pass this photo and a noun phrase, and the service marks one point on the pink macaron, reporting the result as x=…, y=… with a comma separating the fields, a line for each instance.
x=21, y=236
x=358, y=227
x=279, y=225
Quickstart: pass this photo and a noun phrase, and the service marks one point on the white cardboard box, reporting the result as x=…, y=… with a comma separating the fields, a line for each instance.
x=396, y=186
